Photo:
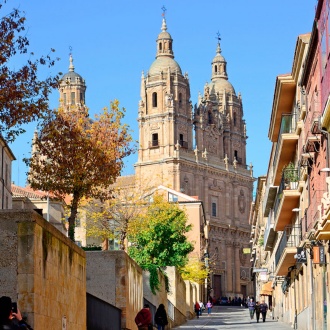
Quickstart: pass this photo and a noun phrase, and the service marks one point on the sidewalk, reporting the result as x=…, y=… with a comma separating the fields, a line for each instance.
x=231, y=317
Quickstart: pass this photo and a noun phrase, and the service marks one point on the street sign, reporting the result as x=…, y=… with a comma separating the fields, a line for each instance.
x=260, y=270
x=246, y=250
x=301, y=256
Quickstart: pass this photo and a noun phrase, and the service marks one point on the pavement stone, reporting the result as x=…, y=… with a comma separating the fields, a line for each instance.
x=231, y=317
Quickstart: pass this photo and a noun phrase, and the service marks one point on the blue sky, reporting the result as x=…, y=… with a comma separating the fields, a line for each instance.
x=114, y=41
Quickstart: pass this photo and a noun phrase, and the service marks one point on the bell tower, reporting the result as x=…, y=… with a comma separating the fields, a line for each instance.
x=220, y=127
x=72, y=89
x=165, y=116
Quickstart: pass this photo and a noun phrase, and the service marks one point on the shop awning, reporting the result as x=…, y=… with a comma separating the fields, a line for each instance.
x=266, y=289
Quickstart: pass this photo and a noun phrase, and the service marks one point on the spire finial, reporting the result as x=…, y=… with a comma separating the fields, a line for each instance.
x=164, y=10
x=164, y=26
x=71, y=67
x=218, y=46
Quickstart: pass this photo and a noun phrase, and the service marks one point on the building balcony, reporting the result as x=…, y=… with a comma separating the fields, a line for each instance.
x=287, y=249
x=323, y=229
x=269, y=234
x=286, y=200
x=286, y=145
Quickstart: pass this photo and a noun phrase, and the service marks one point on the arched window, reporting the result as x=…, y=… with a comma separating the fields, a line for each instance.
x=160, y=46
x=215, y=69
x=170, y=45
x=180, y=100
x=154, y=99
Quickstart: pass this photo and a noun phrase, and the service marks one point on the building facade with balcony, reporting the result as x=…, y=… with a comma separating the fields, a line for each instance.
x=296, y=197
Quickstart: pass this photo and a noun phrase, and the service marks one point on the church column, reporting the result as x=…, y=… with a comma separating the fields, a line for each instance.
x=229, y=266
x=238, y=269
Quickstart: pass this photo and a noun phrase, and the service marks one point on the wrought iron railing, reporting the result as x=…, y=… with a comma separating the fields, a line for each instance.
x=291, y=237
x=290, y=178
x=288, y=125
x=269, y=226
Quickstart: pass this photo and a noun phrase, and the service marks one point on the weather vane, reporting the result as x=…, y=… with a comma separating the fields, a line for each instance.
x=218, y=36
x=164, y=10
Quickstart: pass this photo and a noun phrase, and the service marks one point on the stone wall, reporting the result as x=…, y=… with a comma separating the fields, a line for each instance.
x=177, y=295
x=41, y=269
x=160, y=297
x=115, y=278
x=191, y=298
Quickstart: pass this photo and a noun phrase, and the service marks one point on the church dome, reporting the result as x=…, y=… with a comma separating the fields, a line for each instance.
x=162, y=63
x=219, y=80
x=72, y=77
x=221, y=84
x=164, y=56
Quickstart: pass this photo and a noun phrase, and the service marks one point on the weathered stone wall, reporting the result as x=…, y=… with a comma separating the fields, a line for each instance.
x=191, y=298
x=160, y=297
x=177, y=295
x=115, y=278
x=43, y=270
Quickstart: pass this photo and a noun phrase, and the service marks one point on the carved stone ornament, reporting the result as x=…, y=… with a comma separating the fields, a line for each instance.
x=154, y=126
x=241, y=202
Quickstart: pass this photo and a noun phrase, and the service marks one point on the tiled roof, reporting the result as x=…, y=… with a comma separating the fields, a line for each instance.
x=29, y=192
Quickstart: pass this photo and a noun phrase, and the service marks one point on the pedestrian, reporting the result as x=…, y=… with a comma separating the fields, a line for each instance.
x=251, y=306
x=197, y=309
x=263, y=309
x=143, y=318
x=161, y=317
x=209, y=307
x=202, y=308
x=257, y=309
x=10, y=316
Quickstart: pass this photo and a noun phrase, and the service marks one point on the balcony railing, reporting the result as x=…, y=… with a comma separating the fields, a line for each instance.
x=288, y=125
x=269, y=232
x=291, y=238
x=289, y=181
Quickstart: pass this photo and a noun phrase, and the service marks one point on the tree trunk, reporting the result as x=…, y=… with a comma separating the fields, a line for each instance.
x=123, y=235
x=73, y=215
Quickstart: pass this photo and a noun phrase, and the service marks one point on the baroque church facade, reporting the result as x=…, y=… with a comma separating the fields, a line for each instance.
x=200, y=151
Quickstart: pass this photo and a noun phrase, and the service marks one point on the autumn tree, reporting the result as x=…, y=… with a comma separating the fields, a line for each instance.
x=194, y=271
x=111, y=218
x=23, y=96
x=74, y=155
x=158, y=239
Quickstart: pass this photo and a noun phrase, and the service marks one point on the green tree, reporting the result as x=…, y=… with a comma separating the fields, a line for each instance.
x=23, y=96
x=158, y=239
x=76, y=156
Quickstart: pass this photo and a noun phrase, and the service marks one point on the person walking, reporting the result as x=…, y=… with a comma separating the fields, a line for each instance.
x=11, y=318
x=197, y=309
x=209, y=307
x=202, y=308
x=251, y=306
x=161, y=317
x=143, y=318
x=263, y=309
x=257, y=309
